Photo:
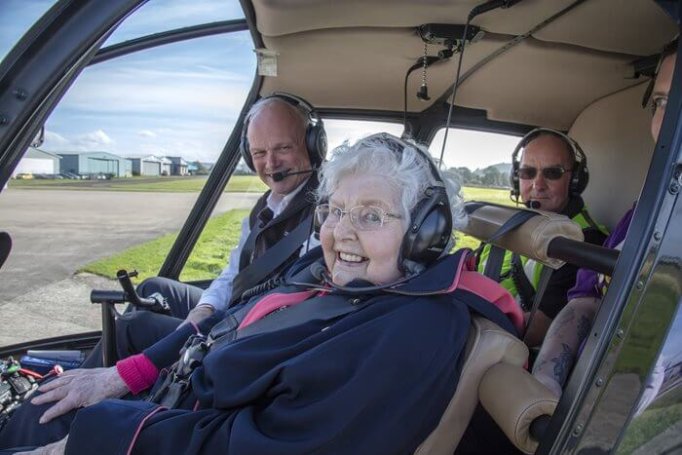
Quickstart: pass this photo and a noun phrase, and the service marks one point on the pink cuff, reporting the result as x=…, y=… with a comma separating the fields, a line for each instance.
x=138, y=372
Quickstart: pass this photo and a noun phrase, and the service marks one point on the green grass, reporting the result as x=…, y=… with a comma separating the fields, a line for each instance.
x=498, y=196
x=651, y=423
x=206, y=261
x=212, y=252
x=221, y=234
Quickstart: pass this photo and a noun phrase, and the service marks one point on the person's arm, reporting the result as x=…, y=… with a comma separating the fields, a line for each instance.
x=302, y=403
x=563, y=342
x=84, y=387
x=217, y=295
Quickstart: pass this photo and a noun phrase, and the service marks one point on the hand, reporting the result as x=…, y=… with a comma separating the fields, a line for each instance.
x=56, y=448
x=198, y=314
x=79, y=388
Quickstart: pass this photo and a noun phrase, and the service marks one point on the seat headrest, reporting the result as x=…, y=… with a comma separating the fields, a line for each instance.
x=531, y=239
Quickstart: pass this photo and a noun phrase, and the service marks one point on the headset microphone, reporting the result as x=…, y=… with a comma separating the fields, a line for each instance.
x=532, y=204
x=279, y=176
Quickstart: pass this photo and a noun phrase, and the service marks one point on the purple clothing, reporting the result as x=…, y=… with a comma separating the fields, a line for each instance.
x=587, y=281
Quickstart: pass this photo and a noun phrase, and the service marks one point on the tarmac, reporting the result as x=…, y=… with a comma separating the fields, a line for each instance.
x=55, y=232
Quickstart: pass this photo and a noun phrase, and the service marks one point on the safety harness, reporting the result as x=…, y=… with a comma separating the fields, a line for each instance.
x=294, y=304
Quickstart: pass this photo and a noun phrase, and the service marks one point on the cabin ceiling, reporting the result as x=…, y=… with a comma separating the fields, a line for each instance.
x=355, y=53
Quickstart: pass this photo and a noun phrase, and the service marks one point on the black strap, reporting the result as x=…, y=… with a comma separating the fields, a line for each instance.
x=545, y=275
x=322, y=308
x=274, y=257
x=512, y=223
x=487, y=309
x=524, y=287
x=493, y=266
x=256, y=228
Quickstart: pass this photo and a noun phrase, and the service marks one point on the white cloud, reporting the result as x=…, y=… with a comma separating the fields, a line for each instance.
x=96, y=137
x=96, y=140
x=55, y=140
x=146, y=133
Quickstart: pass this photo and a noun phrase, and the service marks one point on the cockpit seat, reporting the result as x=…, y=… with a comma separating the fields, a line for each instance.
x=519, y=404
x=494, y=357
x=488, y=345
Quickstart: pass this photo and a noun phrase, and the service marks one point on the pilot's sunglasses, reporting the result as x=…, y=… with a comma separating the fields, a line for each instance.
x=550, y=173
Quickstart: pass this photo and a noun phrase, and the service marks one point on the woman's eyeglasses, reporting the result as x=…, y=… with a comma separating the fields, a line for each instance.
x=362, y=217
x=550, y=173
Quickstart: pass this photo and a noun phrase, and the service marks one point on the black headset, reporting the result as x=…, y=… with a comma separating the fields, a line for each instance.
x=430, y=226
x=315, y=136
x=580, y=175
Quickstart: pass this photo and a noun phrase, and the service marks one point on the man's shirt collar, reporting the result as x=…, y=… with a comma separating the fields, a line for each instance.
x=277, y=203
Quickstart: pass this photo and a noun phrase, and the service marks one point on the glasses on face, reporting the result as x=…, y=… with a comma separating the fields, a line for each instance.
x=362, y=217
x=550, y=173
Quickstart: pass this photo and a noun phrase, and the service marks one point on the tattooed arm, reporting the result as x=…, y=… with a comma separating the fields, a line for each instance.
x=564, y=338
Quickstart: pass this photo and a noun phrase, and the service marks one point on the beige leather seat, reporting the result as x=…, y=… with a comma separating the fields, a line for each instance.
x=514, y=399
x=495, y=359
x=488, y=345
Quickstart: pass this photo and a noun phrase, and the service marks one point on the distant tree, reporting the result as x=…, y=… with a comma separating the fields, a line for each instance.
x=465, y=173
x=201, y=168
x=462, y=173
x=491, y=176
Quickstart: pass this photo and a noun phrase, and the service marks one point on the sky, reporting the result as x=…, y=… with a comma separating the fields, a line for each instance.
x=183, y=99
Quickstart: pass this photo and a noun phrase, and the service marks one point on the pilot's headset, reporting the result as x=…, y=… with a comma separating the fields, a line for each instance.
x=430, y=226
x=315, y=135
x=580, y=175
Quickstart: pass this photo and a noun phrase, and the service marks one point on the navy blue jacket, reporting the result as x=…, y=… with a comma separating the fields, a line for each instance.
x=374, y=381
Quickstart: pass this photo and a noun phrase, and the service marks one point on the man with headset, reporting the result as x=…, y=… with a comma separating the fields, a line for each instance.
x=283, y=141
x=550, y=176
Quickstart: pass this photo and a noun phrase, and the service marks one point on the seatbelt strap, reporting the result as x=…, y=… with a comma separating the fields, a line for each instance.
x=493, y=266
x=512, y=223
x=523, y=285
x=545, y=275
x=274, y=257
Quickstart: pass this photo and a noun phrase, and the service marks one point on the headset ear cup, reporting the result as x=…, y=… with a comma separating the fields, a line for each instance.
x=244, y=149
x=579, y=180
x=581, y=175
x=514, y=179
x=430, y=228
x=316, y=143
x=514, y=173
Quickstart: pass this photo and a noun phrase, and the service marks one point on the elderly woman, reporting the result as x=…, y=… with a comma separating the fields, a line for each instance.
x=358, y=353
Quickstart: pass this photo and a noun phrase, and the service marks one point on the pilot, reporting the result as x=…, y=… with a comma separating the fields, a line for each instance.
x=573, y=323
x=550, y=176
x=283, y=141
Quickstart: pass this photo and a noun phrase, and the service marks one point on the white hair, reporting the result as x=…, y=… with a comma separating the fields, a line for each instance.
x=403, y=165
x=296, y=111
